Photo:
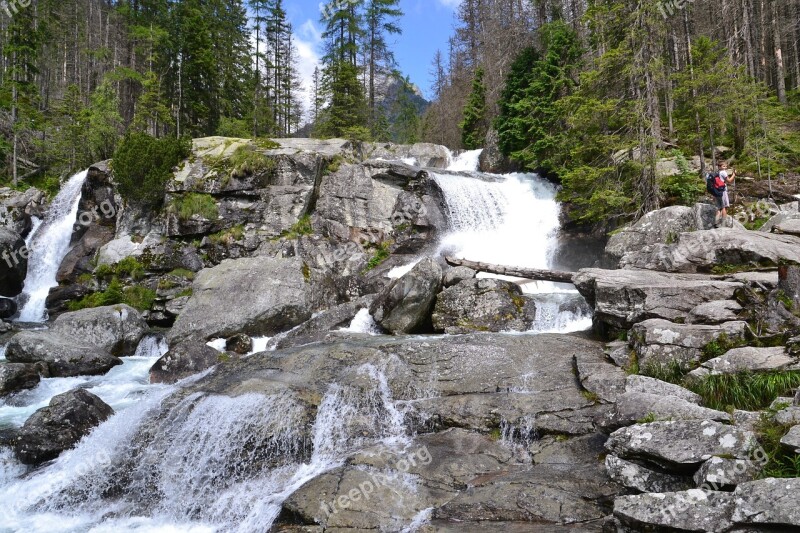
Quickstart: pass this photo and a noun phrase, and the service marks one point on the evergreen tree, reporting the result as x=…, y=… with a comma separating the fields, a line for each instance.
x=380, y=19
x=474, y=126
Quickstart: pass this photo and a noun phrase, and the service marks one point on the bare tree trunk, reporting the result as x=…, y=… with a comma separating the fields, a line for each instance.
x=748, y=37
x=780, y=72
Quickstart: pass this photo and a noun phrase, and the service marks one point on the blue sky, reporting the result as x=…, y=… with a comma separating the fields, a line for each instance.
x=426, y=27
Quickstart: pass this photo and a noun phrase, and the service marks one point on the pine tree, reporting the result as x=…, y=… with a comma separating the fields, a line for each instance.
x=380, y=20
x=475, y=124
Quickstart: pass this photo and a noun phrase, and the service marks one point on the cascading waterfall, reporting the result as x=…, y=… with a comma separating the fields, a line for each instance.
x=210, y=463
x=510, y=219
x=47, y=246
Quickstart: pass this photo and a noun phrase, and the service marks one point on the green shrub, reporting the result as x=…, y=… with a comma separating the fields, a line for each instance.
x=142, y=165
x=780, y=461
x=299, y=228
x=381, y=254
x=672, y=372
x=228, y=236
x=138, y=297
x=183, y=273
x=246, y=161
x=188, y=205
x=130, y=266
x=683, y=188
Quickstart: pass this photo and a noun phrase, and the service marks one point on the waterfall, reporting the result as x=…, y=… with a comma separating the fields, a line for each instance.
x=208, y=463
x=363, y=323
x=47, y=246
x=510, y=219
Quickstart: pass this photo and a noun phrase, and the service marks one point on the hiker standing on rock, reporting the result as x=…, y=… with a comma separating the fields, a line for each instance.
x=721, y=181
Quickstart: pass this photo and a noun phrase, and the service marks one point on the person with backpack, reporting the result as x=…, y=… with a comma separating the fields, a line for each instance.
x=717, y=184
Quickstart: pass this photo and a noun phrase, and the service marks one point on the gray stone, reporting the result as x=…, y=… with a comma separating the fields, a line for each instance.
x=682, y=445
x=797, y=399
x=116, y=329
x=635, y=476
x=620, y=353
x=16, y=208
x=405, y=305
x=483, y=305
x=692, y=510
x=749, y=359
x=648, y=385
x=455, y=275
x=13, y=262
x=8, y=308
x=662, y=342
x=789, y=227
x=240, y=344
x=621, y=298
x=317, y=327
x=778, y=218
x=700, y=251
x=722, y=473
x=59, y=426
x=792, y=439
x=63, y=356
x=747, y=420
x=601, y=378
x=660, y=226
x=17, y=376
x=715, y=312
x=768, y=502
x=788, y=416
x=183, y=360
x=259, y=296
x=633, y=406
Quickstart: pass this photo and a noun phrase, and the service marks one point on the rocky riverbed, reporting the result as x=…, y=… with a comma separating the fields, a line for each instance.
x=326, y=370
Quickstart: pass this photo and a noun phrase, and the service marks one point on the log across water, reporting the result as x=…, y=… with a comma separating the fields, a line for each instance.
x=518, y=272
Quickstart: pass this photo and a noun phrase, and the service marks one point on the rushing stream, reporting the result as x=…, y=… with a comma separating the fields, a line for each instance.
x=218, y=463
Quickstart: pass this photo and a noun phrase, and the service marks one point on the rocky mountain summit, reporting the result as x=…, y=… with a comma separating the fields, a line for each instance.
x=677, y=413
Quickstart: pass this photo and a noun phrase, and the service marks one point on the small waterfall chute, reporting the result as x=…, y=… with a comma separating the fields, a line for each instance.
x=47, y=247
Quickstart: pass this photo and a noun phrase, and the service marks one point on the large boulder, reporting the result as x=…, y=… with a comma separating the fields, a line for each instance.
x=59, y=426
x=768, y=503
x=656, y=227
x=116, y=329
x=662, y=342
x=647, y=385
x=483, y=305
x=637, y=477
x=184, y=360
x=13, y=262
x=633, y=406
x=792, y=439
x=621, y=298
x=8, y=308
x=681, y=446
x=692, y=510
x=17, y=376
x=259, y=296
x=62, y=355
x=701, y=251
x=749, y=359
x=719, y=473
x=715, y=312
x=16, y=208
x=405, y=305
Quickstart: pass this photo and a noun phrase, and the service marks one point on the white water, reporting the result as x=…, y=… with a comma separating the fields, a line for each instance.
x=511, y=219
x=213, y=463
x=363, y=323
x=123, y=386
x=47, y=246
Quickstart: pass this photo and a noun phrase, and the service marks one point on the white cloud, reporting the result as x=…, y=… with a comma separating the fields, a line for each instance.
x=449, y=3
x=307, y=40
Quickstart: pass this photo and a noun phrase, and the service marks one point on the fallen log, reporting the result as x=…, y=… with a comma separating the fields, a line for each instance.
x=517, y=272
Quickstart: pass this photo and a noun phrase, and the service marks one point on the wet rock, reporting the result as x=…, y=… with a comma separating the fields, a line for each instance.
x=13, y=262
x=62, y=355
x=692, y=510
x=317, y=327
x=768, y=502
x=241, y=344
x=716, y=312
x=483, y=305
x=183, y=360
x=59, y=426
x=633, y=406
x=405, y=305
x=116, y=329
x=8, y=308
x=17, y=376
x=79, y=260
x=260, y=296
x=662, y=342
x=455, y=275
x=723, y=474
x=635, y=476
x=749, y=359
x=681, y=445
x=792, y=439
x=700, y=251
x=647, y=385
x=622, y=298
